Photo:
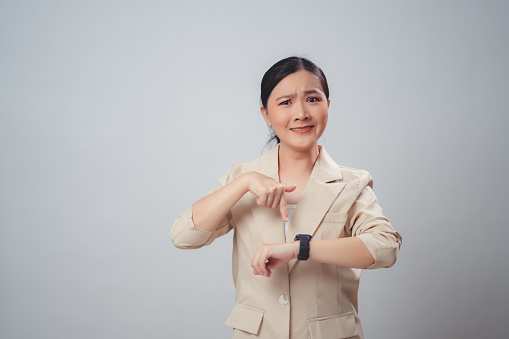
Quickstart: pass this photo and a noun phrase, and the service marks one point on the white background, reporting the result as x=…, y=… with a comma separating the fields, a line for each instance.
x=117, y=115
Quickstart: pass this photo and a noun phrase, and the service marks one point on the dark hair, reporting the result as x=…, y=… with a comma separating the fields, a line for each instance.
x=283, y=68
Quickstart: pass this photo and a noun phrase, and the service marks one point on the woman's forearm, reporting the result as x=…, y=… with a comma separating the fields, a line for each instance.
x=347, y=252
x=211, y=209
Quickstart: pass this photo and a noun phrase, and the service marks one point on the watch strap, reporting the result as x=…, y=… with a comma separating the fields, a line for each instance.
x=304, y=246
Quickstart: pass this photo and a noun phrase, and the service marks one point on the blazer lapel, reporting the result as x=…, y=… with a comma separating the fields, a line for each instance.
x=322, y=189
x=268, y=220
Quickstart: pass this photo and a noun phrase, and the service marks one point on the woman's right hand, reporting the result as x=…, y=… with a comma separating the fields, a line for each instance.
x=269, y=192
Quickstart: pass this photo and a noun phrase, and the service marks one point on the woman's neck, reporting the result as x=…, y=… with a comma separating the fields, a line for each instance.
x=297, y=162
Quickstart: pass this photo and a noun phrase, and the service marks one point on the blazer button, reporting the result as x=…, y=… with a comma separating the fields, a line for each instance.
x=283, y=300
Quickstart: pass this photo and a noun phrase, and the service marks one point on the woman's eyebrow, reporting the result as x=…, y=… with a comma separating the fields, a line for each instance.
x=313, y=91
x=288, y=96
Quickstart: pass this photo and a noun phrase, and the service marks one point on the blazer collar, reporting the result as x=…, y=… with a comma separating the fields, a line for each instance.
x=325, y=169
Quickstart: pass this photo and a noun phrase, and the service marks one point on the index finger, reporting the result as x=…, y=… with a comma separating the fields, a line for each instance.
x=282, y=208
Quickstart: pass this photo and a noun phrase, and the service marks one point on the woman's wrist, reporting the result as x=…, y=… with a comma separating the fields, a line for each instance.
x=295, y=248
x=244, y=180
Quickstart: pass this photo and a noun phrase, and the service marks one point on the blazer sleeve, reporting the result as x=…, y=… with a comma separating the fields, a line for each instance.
x=185, y=235
x=368, y=223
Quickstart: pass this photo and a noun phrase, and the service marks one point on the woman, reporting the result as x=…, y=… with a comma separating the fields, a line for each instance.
x=304, y=227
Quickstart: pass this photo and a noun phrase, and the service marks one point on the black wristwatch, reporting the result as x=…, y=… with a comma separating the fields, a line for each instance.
x=304, y=246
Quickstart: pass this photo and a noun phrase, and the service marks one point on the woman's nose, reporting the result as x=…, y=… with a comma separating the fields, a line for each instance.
x=300, y=112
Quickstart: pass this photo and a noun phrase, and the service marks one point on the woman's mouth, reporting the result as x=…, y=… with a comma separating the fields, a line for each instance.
x=303, y=129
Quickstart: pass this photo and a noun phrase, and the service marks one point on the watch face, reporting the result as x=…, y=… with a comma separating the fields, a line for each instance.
x=298, y=236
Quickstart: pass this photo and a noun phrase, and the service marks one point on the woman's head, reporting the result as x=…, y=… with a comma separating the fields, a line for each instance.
x=286, y=67
x=302, y=85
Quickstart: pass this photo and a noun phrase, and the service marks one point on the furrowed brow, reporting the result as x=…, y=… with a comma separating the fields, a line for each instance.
x=313, y=91
x=287, y=96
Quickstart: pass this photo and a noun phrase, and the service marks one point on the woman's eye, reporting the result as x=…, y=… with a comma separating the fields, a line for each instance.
x=313, y=99
x=286, y=102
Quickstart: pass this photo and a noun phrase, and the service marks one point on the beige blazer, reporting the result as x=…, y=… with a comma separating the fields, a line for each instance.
x=306, y=299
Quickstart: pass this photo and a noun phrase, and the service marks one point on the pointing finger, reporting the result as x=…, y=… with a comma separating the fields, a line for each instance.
x=290, y=188
x=282, y=208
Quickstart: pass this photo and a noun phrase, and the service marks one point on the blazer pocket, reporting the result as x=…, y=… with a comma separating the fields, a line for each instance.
x=245, y=318
x=334, y=217
x=333, y=225
x=333, y=326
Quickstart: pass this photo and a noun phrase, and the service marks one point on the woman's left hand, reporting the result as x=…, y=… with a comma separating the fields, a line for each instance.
x=271, y=256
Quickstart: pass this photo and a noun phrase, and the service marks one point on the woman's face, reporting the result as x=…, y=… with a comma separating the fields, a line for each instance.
x=297, y=110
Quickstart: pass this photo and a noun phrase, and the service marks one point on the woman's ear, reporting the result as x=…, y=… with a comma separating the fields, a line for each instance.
x=265, y=115
x=328, y=103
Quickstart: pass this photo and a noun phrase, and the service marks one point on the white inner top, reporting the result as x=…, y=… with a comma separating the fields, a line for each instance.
x=290, y=209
